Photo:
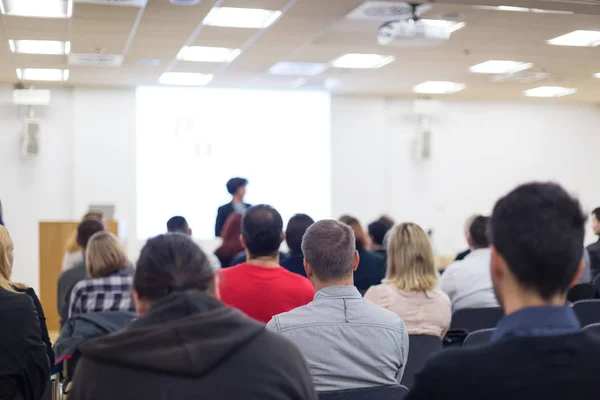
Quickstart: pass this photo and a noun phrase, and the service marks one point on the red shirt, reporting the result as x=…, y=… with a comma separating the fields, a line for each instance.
x=263, y=292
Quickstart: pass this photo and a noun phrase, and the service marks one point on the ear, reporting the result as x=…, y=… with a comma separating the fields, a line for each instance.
x=578, y=273
x=189, y=231
x=243, y=242
x=216, y=291
x=308, y=269
x=356, y=260
x=141, y=306
x=283, y=237
x=497, y=265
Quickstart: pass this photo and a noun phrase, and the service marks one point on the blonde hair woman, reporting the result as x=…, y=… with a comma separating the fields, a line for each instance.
x=110, y=284
x=73, y=252
x=410, y=288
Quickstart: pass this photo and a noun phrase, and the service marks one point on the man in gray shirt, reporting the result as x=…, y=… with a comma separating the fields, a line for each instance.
x=348, y=342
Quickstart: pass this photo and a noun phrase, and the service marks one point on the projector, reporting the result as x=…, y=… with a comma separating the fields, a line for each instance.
x=411, y=33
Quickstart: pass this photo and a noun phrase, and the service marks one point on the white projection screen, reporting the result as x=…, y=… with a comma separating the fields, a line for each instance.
x=190, y=141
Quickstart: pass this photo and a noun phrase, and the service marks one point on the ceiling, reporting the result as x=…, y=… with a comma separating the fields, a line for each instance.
x=315, y=31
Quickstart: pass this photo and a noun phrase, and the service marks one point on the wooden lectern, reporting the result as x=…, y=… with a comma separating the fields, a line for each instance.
x=53, y=240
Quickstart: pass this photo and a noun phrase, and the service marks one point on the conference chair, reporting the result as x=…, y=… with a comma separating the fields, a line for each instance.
x=588, y=311
x=421, y=348
x=593, y=329
x=476, y=319
x=582, y=291
x=392, y=392
x=479, y=337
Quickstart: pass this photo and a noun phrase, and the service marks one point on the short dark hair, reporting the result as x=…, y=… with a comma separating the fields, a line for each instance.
x=262, y=229
x=235, y=183
x=596, y=213
x=329, y=247
x=296, y=227
x=479, y=232
x=87, y=229
x=377, y=231
x=538, y=229
x=171, y=263
x=177, y=224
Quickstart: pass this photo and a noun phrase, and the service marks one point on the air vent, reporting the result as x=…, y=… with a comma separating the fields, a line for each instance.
x=385, y=11
x=96, y=59
x=521, y=77
x=129, y=3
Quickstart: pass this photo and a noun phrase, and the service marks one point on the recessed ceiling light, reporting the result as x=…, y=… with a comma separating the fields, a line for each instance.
x=439, y=87
x=43, y=74
x=39, y=46
x=449, y=26
x=500, y=67
x=234, y=17
x=185, y=78
x=549, y=91
x=362, y=61
x=297, y=68
x=208, y=54
x=523, y=9
x=37, y=8
x=597, y=75
x=577, y=38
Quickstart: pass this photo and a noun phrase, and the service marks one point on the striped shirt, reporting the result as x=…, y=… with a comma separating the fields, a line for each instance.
x=109, y=293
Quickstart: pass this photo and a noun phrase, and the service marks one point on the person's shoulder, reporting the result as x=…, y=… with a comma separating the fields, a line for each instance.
x=279, y=347
x=225, y=207
x=439, y=295
x=299, y=316
x=384, y=316
x=594, y=247
x=297, y=280
x=14, y=302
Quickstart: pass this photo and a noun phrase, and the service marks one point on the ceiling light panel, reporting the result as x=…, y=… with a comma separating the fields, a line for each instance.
x=523, y=9
x=579, y=38
x=43, y=74
x=500, y=67
x=449, y=26
x=362, y=61
x=39, y=46
x=549, y=91
x=297, y=68
x=185, y=79
x=38, y=8
x=439, y=87
x=208, y=54
x=234, y=17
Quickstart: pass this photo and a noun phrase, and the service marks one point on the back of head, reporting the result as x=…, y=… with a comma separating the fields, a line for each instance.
x=329, y=248
x=104, y=255
x=359, y=233
x=296, y=227
x=235, y=183
x=596, y=213
x=538, y=230
x=411, y=264
x=86, y=230
x=377, y=231
x=478, y=232
x=262, y=229
x=171, y=263
x=178, y=224
x=97, y=215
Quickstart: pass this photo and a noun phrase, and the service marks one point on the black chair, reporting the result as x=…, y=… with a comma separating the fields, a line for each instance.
x=588, y=311
x=420, y=349
x=479, y=337
x=583, y=291
x=593, y=329
x=476, y=319
x=392, y=392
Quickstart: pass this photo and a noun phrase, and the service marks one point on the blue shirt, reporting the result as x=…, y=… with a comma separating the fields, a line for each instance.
x=538, y=321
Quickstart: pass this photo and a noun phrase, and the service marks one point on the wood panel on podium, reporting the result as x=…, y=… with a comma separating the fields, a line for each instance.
x=53, y=237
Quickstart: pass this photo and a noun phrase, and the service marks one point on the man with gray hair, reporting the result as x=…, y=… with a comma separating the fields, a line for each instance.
x=349, y=343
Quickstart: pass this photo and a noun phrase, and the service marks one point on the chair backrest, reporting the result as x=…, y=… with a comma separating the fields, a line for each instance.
x=392, y=392
x=479, y=337
x=476, y=319
x=588, y=311
x=593, y=329
x=421, y=348
x=582, y=291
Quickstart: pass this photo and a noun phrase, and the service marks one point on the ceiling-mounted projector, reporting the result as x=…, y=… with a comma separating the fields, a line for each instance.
x=411, y=33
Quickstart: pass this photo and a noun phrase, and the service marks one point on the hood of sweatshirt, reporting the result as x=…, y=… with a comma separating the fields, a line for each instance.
x=186, y=333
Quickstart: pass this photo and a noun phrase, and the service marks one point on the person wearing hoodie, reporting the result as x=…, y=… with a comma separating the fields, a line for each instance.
x=187, y=344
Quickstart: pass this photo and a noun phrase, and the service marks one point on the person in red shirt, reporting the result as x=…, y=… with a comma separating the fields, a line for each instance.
x=260, y=287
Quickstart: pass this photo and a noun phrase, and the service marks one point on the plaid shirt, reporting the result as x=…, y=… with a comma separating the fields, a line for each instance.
x=109, y=293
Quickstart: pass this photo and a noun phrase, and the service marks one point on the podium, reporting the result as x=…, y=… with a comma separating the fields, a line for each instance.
x=53, y=237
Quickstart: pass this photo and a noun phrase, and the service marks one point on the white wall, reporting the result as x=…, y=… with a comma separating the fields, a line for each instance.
x=479, y=152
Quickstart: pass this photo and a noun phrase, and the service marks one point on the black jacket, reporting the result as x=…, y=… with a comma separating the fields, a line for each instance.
x=42, y=318
x=370, y=271
x=222, y=215
x=594, y=252
x=191, y=346
x=24, y=366
x=517, y=368
x=294, y=263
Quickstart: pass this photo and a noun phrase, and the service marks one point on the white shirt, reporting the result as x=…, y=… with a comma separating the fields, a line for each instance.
x=468, y=282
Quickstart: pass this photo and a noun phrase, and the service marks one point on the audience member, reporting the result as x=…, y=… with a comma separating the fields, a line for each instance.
x=463, y=254
x=110, y=283
x=296, y=227
x=179, y=224
x=237, y=189
x=231, y=244
x=348, y=342
x=261, y=288
x=594, y=248
x=187, y=344
x=371, y=267
x=537, y=350
x=377, y=231
x=410, y=288
x=73, y=253
x=69, y=278
x=468, y=282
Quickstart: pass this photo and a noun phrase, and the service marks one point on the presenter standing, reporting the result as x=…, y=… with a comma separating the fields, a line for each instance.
x=237, y=188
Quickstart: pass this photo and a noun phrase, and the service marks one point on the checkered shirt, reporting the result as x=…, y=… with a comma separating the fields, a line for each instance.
x=109, y=293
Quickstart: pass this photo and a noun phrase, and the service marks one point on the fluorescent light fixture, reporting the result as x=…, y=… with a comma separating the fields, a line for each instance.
x=208, y=54
x=500, y=67
x=297, y=68
x=577, y=38
x=39, y=46
x=449, y=26
x=234, y=17
x=299, y=82
x=523, y=9
x=185, y=79
x=439, y=87
x=549, y=91
x=597, y=75
x=362, y=61
x=43, y=74
x=37, y=8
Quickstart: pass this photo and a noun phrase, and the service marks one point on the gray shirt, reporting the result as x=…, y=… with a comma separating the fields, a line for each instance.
x=348, y=342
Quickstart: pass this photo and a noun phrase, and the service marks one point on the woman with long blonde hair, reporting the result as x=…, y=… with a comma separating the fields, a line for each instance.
x=410, y=288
